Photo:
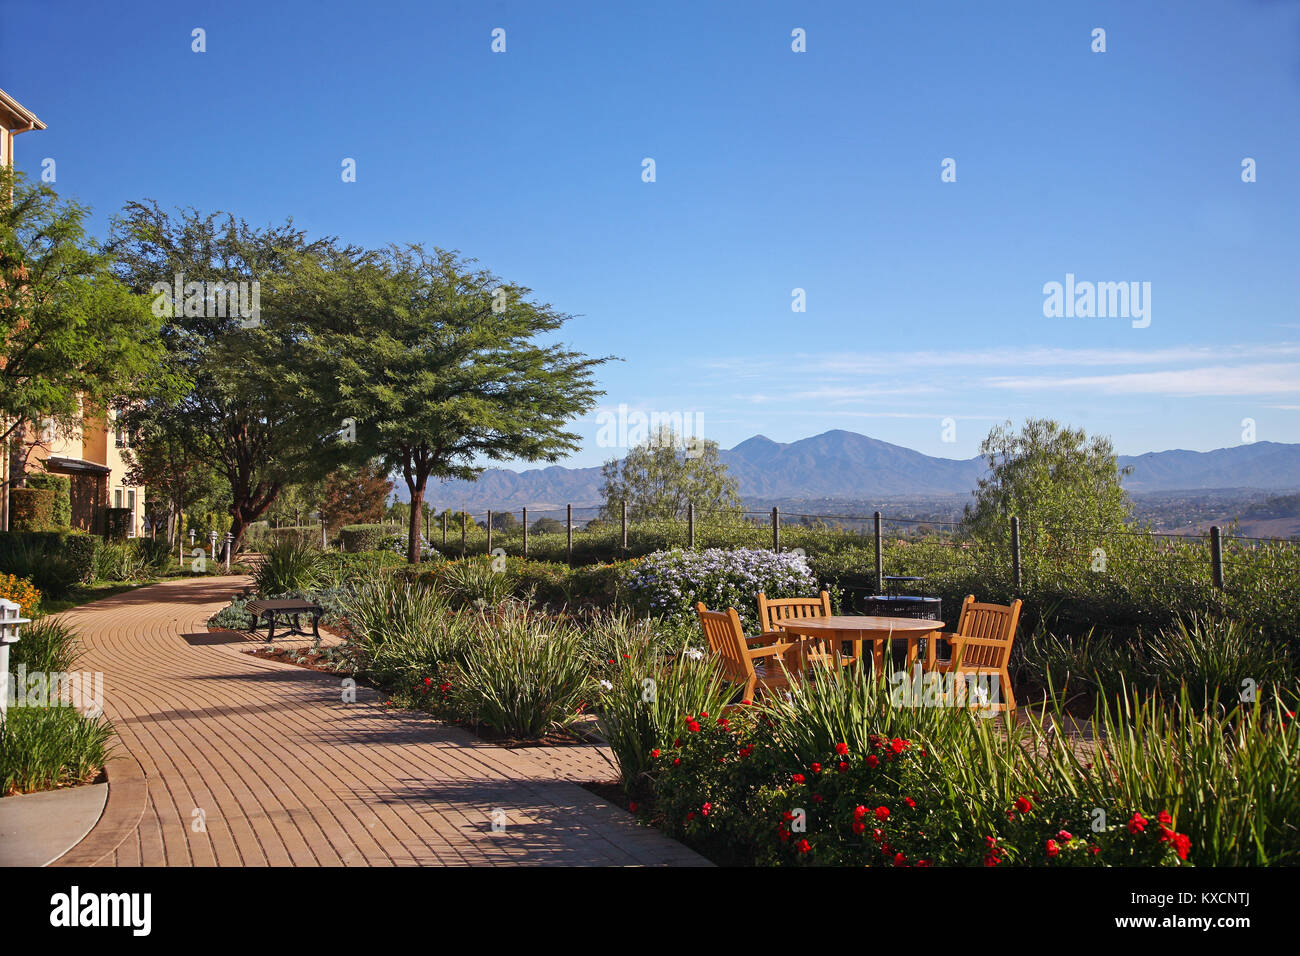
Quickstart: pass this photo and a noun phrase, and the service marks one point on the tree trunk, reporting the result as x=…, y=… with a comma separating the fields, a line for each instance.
x=413, y=524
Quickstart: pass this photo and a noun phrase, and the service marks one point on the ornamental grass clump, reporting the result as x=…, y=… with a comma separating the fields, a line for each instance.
x=669, y=583
x=523, y=674
x=647, y=694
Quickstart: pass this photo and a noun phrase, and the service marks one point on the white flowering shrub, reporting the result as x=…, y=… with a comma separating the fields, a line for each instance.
x=668, y=583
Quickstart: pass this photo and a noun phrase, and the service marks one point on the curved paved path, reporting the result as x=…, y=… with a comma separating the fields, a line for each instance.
x=229, y=759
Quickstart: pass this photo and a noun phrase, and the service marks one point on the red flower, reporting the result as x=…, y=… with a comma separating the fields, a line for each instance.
x=692, y=725
x=796, y=778
x=704, y=810
x=900, y=860
x=677, y=761
x=877, y=835
x=1052, y=848
x=843, y=768
x=690, y=816
x=803, y=846
x=1165, y=819
x=873, y=761
x=922, y=862
x=1182, y=843
x=654, y=754
x=1023, y=805
x=816, y=768
x=704, y=713
x=817, y=798
x=842, y=749
x=1065, y=836
x=897, y=745
x=859, y=827
x=909, y=801
x=859, y=812
x=631, y=805
x=882, y=813
x=1137, y=823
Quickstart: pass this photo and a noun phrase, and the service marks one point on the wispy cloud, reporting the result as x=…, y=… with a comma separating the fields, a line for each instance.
x=1206, y=380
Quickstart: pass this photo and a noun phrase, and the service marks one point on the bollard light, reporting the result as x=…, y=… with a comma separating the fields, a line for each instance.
x=229, y=539
x=10, y=623
x=212, y=544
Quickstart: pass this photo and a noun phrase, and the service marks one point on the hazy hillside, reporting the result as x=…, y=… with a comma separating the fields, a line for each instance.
x=845, y=465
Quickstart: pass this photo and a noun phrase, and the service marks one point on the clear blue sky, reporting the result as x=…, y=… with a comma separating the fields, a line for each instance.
x=775, y=170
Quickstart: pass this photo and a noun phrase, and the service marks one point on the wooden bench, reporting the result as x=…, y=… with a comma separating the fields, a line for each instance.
x=291, y=611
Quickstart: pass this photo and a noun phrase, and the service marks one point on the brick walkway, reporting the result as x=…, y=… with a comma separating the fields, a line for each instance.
x=281, y=772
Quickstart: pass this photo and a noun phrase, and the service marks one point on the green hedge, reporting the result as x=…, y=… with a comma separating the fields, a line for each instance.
x=366, y=537
x=61, y=485
x=54, y=559
x=31, y=509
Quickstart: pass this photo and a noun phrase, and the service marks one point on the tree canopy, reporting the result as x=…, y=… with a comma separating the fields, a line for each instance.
x=1051, y=477
x=442, y=366
x=73, y=339
x=660, y=476
x=248, y=404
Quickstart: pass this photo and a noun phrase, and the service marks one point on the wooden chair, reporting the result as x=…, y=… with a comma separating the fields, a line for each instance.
x=771, y=611
x=981, y=645
x=742, y=661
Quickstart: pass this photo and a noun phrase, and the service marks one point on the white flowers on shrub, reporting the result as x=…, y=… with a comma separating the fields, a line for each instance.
x=670, y=582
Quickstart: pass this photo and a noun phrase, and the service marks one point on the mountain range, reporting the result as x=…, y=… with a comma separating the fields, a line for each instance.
x=846, y=465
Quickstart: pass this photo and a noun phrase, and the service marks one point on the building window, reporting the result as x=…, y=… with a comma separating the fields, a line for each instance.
x=120, y=436
x=130, y=503
x=117, y=497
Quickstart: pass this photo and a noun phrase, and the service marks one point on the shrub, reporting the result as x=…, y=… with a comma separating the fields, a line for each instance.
x=61, y=485
x=47, y=645
x=1213, y=659
x=340, y=568
x=31, y=556
x=118, y=561
x=475, y=582
x=648, y=694
x=290, y=564
x=365, y=537
x=31, y=509
x=46, y=747
x=524, y=675
x=22, y=592
x=670, y=583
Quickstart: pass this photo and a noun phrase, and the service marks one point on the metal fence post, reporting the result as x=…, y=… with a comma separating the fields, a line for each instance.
x=1015, y=552
x=463, y=532
x=624, y=527
x=776, y=529
x=568, y=521
x=1216, y=556
x=489, y=545
x=880, y=556
x=690, y=525
x=444, y=527
x=525, y=532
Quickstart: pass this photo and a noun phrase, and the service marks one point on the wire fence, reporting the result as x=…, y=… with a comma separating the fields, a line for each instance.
x=590, y=534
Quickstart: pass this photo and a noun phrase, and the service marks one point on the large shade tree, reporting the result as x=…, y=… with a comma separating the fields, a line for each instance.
x=73, y=340
x=442, y=366
x=251, y=408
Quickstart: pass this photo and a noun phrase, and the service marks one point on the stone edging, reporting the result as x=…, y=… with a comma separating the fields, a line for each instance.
x=128, y=792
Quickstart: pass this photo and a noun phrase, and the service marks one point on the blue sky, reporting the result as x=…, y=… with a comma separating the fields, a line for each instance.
x=775, y=170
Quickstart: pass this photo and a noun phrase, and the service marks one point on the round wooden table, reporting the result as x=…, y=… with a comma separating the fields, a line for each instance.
x=859, y=628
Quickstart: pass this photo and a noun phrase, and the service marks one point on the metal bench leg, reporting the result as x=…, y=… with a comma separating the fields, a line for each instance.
x=315, y=629
x=270, y=627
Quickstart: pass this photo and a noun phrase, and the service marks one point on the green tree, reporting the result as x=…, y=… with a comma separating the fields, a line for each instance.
x=250, y=407
x=1052, y=478
x=660, y=476
x=547, y=526
x=73, y=340
x=442, y=368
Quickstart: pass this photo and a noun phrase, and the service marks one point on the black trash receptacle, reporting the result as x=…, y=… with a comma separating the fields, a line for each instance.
x=905, y=605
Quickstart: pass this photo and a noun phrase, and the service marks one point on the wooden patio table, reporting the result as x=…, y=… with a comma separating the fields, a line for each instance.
x=860, y=628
